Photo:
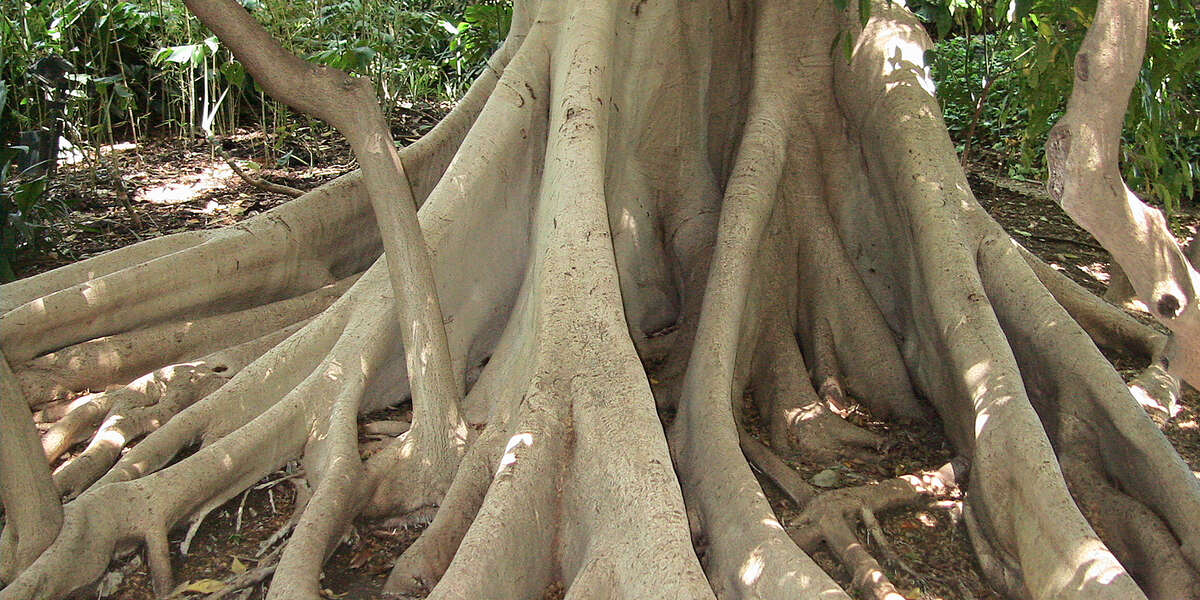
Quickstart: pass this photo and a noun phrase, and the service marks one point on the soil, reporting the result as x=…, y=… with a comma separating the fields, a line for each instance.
x=154, y=187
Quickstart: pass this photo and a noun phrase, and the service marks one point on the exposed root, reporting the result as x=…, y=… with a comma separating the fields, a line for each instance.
x=828, y=518
x=875, y=533
x=1108, y=326
x=793, y=414
x=127, y=413
x=29, y=289
x=32, y=512
x=422, y=565
x=1086, y=406
x=118, y=359
x=774, y=468
x=572, y=213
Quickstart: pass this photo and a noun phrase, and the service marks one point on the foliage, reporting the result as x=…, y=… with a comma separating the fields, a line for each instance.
x=963, y=67
x=148, y=63
x=20, y=212
x=1028, y=48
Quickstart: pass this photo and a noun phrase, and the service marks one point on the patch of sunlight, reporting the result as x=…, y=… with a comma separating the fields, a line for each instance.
x=510, y=450
x=907, y=56
x=111, y=437
x=800, y=415
x=80, y=401
x=90, y=292
x=772, y=522
x=521, y=439
x=977, y=377
x=1149, y=402
x=977, y=372
x=334, y=371
x=753, y=568
x=628, y=222
x=188, y=187
x=1191, y=425
x=1136, y=304
x=1097, y=271
x=212, y=207
x=1098, y=563
x=119, y=147
x=927, y=519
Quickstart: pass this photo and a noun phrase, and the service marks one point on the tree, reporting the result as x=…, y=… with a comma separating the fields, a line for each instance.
x=699, y=192
x=1085, y=179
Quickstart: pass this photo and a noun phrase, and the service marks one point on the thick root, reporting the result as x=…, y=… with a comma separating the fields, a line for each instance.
x=794, y=416
x=32, y=512
x=118, y=359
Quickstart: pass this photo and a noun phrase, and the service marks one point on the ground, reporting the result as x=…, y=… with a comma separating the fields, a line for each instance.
x=176, y=185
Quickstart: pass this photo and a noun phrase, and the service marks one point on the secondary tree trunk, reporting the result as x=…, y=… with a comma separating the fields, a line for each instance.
x=639, y=213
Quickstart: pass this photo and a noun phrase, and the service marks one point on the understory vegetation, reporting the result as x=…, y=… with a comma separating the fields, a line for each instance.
x=137, y=69
x=1003, y=70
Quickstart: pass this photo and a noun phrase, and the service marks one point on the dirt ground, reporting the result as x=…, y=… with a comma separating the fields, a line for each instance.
x=155, y=187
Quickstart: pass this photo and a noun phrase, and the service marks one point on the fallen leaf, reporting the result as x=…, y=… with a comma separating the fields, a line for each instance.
x=204, y=586
x=826, y=478
x=360, y=558
x=238, y=567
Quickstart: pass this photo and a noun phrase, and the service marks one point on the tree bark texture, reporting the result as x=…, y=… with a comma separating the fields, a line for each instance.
x=639, y=214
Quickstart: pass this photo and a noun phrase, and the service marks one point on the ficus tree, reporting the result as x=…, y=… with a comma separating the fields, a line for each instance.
x=641, y=213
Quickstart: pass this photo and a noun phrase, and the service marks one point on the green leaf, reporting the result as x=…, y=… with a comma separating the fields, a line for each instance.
x=235, y=73
x=27, y=194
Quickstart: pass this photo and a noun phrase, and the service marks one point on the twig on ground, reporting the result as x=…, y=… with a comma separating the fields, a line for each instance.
x=257, y=182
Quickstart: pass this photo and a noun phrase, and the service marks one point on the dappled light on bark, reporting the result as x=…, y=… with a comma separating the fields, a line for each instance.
x=638, y=219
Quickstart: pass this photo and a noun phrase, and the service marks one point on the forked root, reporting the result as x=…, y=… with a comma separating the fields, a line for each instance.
x=829, y=517
x=795, y=416
x=422, y=565
x=128, y=413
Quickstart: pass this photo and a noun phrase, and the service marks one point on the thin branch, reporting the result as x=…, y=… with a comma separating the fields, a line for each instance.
x=349, y=104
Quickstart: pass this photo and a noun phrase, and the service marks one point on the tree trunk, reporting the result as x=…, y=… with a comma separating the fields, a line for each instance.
x=1082, y=153
x=639, y=213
